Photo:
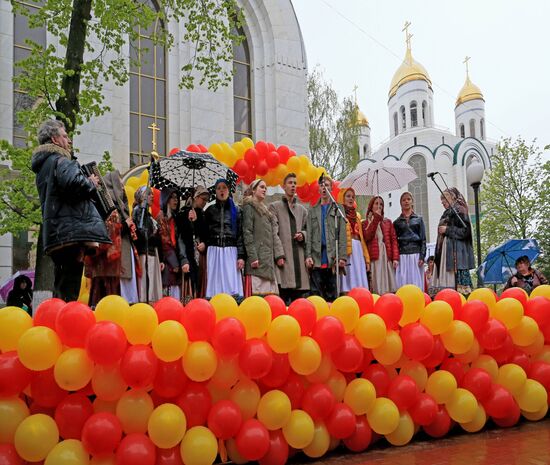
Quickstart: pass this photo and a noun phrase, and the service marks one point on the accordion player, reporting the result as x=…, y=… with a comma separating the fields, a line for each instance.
x=102, y=199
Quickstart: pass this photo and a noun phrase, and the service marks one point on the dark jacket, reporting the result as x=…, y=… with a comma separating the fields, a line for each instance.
x=529, y=282
x=389, y=237
x=459, y=242
x=411, y=235
x=191, y=231
x=148, y=232
x=18, y=297
x=68, y=214
x=220, y=229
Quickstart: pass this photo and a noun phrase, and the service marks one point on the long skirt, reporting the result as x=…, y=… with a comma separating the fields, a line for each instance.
x=441, y=278
x=356, y=272
x=223, y=274
x=262, y=286
x=408, y=271
x=383, y=274
x=155, y=280
x=102, y=287
x=128, y=287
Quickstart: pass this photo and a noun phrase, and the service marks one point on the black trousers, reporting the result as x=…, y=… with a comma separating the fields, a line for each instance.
x=289, y=295
x=68, y=268
x=323, y=283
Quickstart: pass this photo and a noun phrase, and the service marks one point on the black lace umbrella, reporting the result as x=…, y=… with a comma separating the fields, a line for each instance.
x=186, y=170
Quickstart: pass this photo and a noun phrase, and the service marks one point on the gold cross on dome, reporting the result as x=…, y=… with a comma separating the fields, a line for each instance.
x=155, y=129
x=466, y=60
x=407, y=35
x=355, y=87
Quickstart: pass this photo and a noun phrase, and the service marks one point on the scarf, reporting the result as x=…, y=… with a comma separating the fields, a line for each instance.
x=351, y=216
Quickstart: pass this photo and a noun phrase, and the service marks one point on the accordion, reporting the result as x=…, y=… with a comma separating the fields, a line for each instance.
x=102, y=199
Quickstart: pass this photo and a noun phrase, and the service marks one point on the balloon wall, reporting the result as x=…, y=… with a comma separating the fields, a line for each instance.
x=258, y=381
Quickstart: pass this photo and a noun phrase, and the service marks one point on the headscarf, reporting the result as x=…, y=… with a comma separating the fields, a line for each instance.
x=165, y=196
x=457, y=200
x=140, y=195
x=232, y=206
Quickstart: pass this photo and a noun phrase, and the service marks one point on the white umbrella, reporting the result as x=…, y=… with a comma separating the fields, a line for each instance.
x=373, y=178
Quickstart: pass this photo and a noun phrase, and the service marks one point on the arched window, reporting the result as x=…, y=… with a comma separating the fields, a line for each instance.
x=365, y=150
x=424, y=112
x=395, y=124
x=414, y=115
x=242, y=91
x=419, y=189
x=472, y=128
x=147, y=93
x=482, y=128
x=462, y=132
x=403, y=118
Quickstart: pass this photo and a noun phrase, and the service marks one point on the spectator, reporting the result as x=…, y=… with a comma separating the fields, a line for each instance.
x=526, y=277
x=21, y=294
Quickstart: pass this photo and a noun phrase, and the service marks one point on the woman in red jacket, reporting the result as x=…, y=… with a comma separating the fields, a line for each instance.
x=381, y=239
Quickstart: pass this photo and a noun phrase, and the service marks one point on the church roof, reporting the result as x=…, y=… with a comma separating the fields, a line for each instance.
x=410, y=70
x=362, y=119
x=469, y=92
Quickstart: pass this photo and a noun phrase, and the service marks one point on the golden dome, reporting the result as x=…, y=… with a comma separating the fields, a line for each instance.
x=362, y=119
x=410, y=70
x=469, y=92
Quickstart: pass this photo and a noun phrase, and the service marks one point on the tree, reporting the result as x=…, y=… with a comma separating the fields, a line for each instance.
x=333, y=128
x=515, y=196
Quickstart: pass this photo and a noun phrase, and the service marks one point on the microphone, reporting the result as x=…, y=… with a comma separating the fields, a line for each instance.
x=432, y=174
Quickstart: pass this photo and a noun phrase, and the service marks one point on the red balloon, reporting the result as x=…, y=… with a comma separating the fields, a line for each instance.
x=271, y=147
x=262, y=168
x=504, y=352
x=173, y=151
x=390, y=308
x=101, y=434
x=305, y=314
x=14, y=376
x=199, y=319
x=318, y=401
x=74, y=321
x=452, y=297
x=341, y=421
x=277, y=454
x=170, y=379
x=475, y=313
x=403, y=391
x=169, y=456
x=364, y=299
x=538, y=308
x=139, y=366
x=250, y=177
x=329, y=333
x=195, y=401
x=418, y=341
x=279, y=372
x=519, y=357
x=515, y=293
x=155, y=208
x=303, y=191
x=437, y=355
x=45, y=390
x=478, y=382
x=284, y=153
x=540, y=371
x=229, y=337
x=492, y=335
x=348, y=356
x=511, y=418
x=441, y=424
x=192, y=148
x=46, y=313
x=379, y=377
x=71, y=414
x=225, y=419
x=262, y=147
x=106, y=343
x=361, y=437
x=168, y=308
x=9, y=456
x=256, y=358
x=276, y=304
x=499, y=402
x=272, y=159
x=252, y=440
x=202, y=148
x=136, y=449
x=294, y=389
x=251, y=158
x=424, y=410
x=427, y=299
x=455, y=367
x=241, y=167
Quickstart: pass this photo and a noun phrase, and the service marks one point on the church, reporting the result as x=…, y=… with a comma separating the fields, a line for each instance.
x=418, y=141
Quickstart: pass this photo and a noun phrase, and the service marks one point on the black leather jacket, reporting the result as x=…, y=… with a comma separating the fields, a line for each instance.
x=411, y=235
x=219, y=229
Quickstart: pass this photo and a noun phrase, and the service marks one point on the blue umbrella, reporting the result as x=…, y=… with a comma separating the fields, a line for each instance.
x=500, y=262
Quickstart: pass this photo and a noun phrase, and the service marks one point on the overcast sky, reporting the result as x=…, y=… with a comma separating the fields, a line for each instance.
x=359, y=42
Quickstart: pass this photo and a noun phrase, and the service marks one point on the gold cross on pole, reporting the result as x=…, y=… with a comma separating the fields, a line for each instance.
x=466, y=60
x=407, y=35
x=154, y=128
x=355, y=87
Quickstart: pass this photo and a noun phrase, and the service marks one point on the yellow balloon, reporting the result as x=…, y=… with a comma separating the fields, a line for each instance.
x=247, y=142
x=512, y=377
x=346, y=310
x=217, y=393
x=325, y=370
x=536, y=416
x=255, y=314
x=133, y=410
x=311, y=174
x=321, y=306
x=107, y=382
x=35, y=437
x=371, y=331
x=470, y=355
x=320, y=443
x=462, y=406
x=246, y=394
x=200, y=361
x=216, y=150
x=299, y=430
x=532, y=397
x=390, y=351
x=141, y=324
x=403, y=433
x=112, y=308
x=227, y=373
x=170, y=341
x=543, y=290
x=293, y=165
x=73, y=369
x=225, y=306
x=12, y=412
x=306, y=357
x=485, y=295
x=337, y=384
x=384, y=416
x=437, y=316
x=231, y=156
x=239, y=148
x=280, y=172
x=13, y=323
x=301, y=178
x=413, y=303
x=441, y=385
x=305, y=163
x=283, y=334
x=166, y=426
x=478, y=422
x=459, y=338
x=199, y=446
x=274, y=409
x=417, y=371
x=487, y=363
x=526, y=333
x=68, y=452
x=38, y=348
x=360, y=395
x=508, y=311
x=108, y=406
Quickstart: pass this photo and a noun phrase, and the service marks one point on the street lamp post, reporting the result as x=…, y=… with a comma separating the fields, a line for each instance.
x=474, y=175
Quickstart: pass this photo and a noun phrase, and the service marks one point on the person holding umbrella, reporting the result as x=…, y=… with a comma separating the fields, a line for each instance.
x=526, y=277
